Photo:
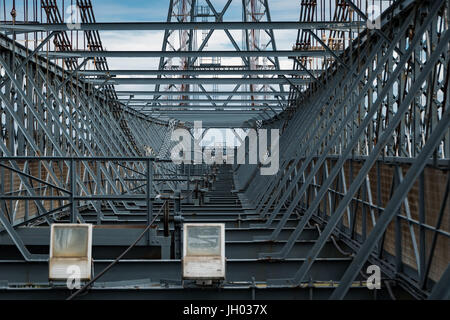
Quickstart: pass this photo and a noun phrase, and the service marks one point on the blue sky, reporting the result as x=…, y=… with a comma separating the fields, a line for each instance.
x=107, y=11
x=281, y=10
x=156, y=10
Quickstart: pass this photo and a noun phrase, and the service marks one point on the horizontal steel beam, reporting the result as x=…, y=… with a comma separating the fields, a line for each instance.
x=242, y=101
x=210, y=119
x=237, y=270
x=191, y=54
x=195, y=109
x=82, y=158
x=209, y=109
x=205, y=108
x=138, y=291
x=232, y=81
x=234, y=250
x=148, y=26
x=214, y=114
x=194, y=72
x=200, y=93
x=126, y=234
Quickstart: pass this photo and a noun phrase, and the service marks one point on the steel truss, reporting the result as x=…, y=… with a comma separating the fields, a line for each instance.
x=47, y=111
x=364, y=148
x=386, y=98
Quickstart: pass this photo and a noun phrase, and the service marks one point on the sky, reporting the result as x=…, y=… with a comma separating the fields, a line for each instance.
x=281, y=10
x=157, y=11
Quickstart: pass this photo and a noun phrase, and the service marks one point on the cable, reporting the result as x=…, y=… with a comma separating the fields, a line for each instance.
x=388, y=286
x=87, y=285
x=345, y=253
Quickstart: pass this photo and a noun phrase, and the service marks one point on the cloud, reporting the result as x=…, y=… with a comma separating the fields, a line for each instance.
x=281, y=10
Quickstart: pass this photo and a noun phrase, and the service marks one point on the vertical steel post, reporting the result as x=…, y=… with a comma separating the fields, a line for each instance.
x=148, y=194
x=73, y=208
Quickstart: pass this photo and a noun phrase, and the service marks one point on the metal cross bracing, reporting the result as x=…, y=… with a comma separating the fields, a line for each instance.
x=94, y=43
x=332, y=41
x=192, y=58
x=184, y=52
x=391, y=102
x=20, y=27
x=364, y=150
x=46, y=111
x=133, y=272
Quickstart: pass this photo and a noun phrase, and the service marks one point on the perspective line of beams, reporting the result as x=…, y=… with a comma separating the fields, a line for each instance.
x=199, y=93
x=191, y=54
x=118, y=81
x=206, y=107
x=198, y=100
x=147, y=26
x=194, y=72
x=212, y=111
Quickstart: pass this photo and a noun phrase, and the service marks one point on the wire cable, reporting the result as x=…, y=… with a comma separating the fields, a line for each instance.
x=87, y=285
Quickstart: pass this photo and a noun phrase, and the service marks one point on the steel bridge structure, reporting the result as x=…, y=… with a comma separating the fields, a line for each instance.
x=359, y=121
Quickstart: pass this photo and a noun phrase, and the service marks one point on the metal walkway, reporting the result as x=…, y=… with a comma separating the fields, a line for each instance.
x=136, y=274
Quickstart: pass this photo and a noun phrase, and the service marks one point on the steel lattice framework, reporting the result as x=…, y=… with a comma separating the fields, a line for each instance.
x=364, y=148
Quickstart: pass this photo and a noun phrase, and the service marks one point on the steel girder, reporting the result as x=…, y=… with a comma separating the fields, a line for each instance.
x=199, y=81
x=184, y=54
x=380, y=105
x=193, y=72
x=44, y=112
x=219, y=25
x=191, y=93
x=396, y=106
x=193, y=56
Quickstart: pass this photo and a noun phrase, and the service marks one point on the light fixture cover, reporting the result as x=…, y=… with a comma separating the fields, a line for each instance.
x=204, y=251
x=70, y=251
